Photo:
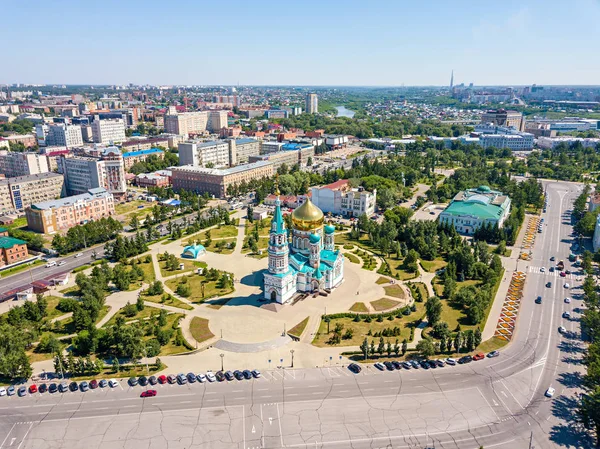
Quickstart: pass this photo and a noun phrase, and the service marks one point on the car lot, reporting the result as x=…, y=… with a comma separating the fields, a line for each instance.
x=63, y=386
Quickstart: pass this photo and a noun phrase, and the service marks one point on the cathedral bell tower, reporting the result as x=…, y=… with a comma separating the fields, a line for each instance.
x=278, y=239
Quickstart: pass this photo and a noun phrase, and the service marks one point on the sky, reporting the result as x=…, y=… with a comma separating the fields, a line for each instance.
x=305, y=42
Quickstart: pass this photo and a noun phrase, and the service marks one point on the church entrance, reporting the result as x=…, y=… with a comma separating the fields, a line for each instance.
x=315, y=286
x=273, y=295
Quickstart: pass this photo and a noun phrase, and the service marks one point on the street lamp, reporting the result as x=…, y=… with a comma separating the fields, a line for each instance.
x=222, y=355
x=292, y=352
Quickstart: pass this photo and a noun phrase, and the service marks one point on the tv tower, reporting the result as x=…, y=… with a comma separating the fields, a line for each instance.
x=452, y=79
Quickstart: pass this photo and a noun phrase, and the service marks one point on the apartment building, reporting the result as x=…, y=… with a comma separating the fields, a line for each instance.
x=240, y=150
x=28, y=140
x=19, y=192
x=59, y=135
x=14, y=164
x=145, y=144
x=503, y=117
x=198, y=122
x=152, y=180
x=108, y=131
x=215, y=181
x=133, y=157
x=514, y=142
x=83, y=173
x=290, y=154
x=277, y=113
x=11, y=250
x=213, y=154
x=339, y=198
x=312, y=104
x=49, y=217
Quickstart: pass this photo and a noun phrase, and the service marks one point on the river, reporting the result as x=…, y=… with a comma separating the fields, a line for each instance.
x=343, y=112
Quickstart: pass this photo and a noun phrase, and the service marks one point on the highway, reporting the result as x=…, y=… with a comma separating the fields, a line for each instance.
x=494, y=403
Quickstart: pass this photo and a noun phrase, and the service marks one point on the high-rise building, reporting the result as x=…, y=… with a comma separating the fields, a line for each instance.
x=63, y=135
x=108, y=131
x=198, y=122
x=14, y=164
x=212, y=154
x=452, y=79
x=20, y=192
x=216, y=121
x=503, y=117
x=312, y=104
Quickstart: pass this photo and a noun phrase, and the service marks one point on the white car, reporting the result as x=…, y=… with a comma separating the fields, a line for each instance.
x=2, y=391
x=61, y=263
x=451, y=361
x=549, y=392
x=201, y=378
x=578, y=278
x=542, y=270
x=566, y=314
x=50, y=264
x=380, y=366
x=568, y=300
x=256, y=373
x=113, y=383
x=567, y=285
x=561, y=330
x=210, y=376
x=78, y=255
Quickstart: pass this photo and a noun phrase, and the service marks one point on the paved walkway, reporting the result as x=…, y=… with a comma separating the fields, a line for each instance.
x=252, y=347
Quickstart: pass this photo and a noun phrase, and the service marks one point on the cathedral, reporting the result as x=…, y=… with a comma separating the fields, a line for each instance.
x=308, y=262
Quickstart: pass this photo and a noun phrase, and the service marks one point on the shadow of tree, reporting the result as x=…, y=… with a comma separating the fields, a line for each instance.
x=571, y=380
x=570, y=434
x=570, y=347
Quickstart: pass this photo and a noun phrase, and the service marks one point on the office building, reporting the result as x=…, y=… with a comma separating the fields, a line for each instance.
x=83, y=173
x=233, y=100
x=473, y=208
x=49, y=217
x=335, y=142
x=549, y=143
x=152, y=180
x=520, y=142
x=109, y=131
x=503, y=117
x=59, y=135
x=14, y=164
x=312, y=104
x=11, y=250
x=216, y=181
x=290, y=154
x=277, y=113
x=270, y=146
x=18, y=193
x=133, y=157
x=145, y=144
x=339, y=198
x=192, y=123
x=213, y=154
x=240, y=150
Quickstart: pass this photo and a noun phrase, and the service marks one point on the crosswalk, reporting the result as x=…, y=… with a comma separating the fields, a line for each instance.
x=555, y=273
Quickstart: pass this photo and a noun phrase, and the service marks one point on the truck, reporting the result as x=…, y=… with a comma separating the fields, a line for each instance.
x=561, y=265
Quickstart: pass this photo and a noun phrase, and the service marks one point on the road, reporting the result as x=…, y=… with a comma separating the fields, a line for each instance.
x=494, y=403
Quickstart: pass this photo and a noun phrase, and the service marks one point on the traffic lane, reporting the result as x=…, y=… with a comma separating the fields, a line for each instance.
x=16, y=435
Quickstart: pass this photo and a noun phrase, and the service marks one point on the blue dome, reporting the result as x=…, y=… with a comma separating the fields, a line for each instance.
x=314, y=238
x=329, y=229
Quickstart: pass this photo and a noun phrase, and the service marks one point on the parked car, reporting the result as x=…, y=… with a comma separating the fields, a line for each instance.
x=113, y=383
x=191, y=377
x=210, y=376
x=53, y=388
x=561, y=330
x=256, y=373
x=238, y=374
x=181, y=379
x=441, y=363
x=566, y=314
x=568, y=300
x=10, y=391
x=220, y=376
x=148, y=394
x=63, y=387
x=93, y=384
x=43, y=388
x=2, y=391
x=103, y=383
x=380, y=366
x=73, y=386
x=552, y=259
x=389, y=366
x=415, y=364
x=132, y=381
x=567, y=285
x=542, y=270
x=424, y=364
x=229, y=375
x=247, y=374
x=33, y=389
x=493, y=354
x=162, y=379
x=406, y=365
x=465, y=359
x=548, y=284
x=450, y=361
x=538, y=300
x=201, y=377
x=84, y=386
x=562, y=274
x=549, y=392
x=143, y=381
x=479, y=356
x=22, y=391
x=355, y=368
x=551, y=269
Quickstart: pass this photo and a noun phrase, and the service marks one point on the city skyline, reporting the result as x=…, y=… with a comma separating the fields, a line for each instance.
x=320, y=45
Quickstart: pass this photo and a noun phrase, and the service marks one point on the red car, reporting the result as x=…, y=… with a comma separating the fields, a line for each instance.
x=562, y=274
x=162, y=379
x=479, y=356
x=148, y=394
x=93, y=384
x=33, y=389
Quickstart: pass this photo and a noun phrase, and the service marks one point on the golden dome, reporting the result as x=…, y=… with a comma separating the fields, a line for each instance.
x=307, y=217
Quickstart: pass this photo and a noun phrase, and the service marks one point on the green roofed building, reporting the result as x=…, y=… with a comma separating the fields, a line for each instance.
x=472, y=208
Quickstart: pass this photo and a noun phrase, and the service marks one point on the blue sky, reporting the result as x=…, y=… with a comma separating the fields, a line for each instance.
x=325, y=42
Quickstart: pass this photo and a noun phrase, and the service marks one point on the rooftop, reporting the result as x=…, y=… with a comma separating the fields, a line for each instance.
x=70, y=200
x=29, y=178
x=9, y=242
x=142, y=152
x=224, y=171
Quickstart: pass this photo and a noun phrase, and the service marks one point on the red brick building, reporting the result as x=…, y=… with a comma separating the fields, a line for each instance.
x=11, y=250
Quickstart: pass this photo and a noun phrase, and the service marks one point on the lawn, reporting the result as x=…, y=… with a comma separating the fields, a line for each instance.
x=225, y=231
x=492, y=344
x=18, y=269
x=172, y=301
x=382, y=280
x=263, y=227
x=396, y=269
x=148, y=269
x=420, y=286
x=225, y=250
x=359, y=307
x=298, y=329
x=172, y=347
x=200, y=330
x=432, y=266
x=52, y=311
x=188, y=265
x=352, y=258
x=146, y=313
x=66, y=326
x=124, y=373
x=361, y=329
x=125, y=208
x=384, y=304
x=263, y=243
x=395, y=291
x=70, y=291
x=195, y=281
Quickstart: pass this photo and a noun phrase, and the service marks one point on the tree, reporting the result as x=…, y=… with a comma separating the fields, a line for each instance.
x=139, y=304
x=156, y=288
x=426, y=348
x=396, y=348
x=433, y=309
x=589, y=412
x=458, y=341
x=115, y=365
x=364, y=347
x=48, y=344
x=381, y=346
x=372, y=347
x=404, y=346
x=183, y=290
x=477, y=337
x=449, y=287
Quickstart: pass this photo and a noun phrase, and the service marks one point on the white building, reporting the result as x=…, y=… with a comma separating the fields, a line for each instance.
x=271, y=146
x=523, y=142
x=596, y=241
x=186, y=123
x=108, y=131
x=312, y=104
x=213, y=154
x=340, y=199
x=59, y=135
x=550, y=143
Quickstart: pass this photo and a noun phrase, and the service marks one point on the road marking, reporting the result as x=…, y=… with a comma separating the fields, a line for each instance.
x=25, y=436
x=486, y=401
x=279, y=421
x=510, y=392
x=5, y=438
